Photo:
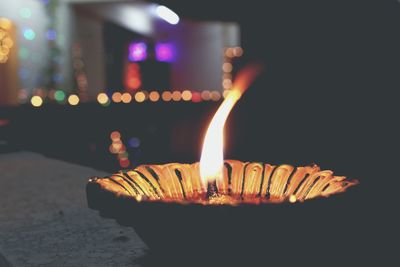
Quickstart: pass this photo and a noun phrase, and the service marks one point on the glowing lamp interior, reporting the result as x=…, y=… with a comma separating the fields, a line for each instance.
x=212, y=155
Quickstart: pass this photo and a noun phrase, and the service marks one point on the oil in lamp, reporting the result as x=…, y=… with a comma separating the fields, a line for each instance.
x=229, y=210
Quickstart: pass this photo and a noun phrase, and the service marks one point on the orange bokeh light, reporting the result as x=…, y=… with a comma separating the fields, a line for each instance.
x=126, y=98
x=176, y=95
x=186, y=95
x=140, y=97
x=116, y=97
x=115, y=135
x=166, y=96
x=154, y=96
x=205, y=95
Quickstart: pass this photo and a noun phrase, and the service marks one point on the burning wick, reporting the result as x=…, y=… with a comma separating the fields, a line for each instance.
x=212, y=154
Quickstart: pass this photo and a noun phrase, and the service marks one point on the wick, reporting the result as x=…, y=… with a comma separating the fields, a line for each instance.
x=212, y=190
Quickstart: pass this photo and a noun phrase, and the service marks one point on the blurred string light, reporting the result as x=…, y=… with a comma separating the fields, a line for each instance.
x=118, y=148
x=227, y=67
x=166, y=96
x=167, y=14
x=133, y=77
x=6, y=43
x=59, y=96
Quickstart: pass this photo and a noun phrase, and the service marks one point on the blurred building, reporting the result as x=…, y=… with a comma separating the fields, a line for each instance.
x=89, y=46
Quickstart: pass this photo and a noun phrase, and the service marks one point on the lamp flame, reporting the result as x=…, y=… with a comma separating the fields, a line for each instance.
x=212, y=155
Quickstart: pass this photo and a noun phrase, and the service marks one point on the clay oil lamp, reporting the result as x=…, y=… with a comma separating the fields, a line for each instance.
x=217, y=211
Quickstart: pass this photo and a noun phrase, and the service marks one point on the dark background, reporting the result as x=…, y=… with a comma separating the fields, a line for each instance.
x=327, y=96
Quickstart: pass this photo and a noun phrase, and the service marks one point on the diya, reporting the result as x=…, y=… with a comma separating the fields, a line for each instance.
x=221, y=211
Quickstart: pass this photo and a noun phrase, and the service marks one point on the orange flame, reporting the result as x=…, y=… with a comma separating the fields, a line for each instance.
x=212, y=155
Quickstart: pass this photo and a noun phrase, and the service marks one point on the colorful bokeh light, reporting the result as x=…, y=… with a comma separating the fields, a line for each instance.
x=165, y=52
x=140, y=97
x=29, y=34
x=59, y=96
x=154, y=96
x=126, y=98
x=103, y=99
x=137, y=51
x=36, y=101
x=73, y=100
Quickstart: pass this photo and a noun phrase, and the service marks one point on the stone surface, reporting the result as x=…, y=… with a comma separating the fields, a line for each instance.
x=45, y=221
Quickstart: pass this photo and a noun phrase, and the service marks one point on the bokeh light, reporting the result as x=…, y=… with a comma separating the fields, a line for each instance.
x=73, y=100
x=205, y=95
x=5, y=23
x=36, y=101
x=103, y=99
x=154, y=96
x=124, y=163
x=126, y=98
x=215, y=96
x=227, y=67
x=166, y=96
x=140, y=97
x=134, y=142
x=29, y=34
x=115, y=135
x=165, y=52
x=229, y=52
x=51, y=34
x=186, y=95
x=59, y=96
x=176, y=95
x=196, y=97
x=116, y=97
x=227, y=83
x=237, y=51
x=137, y=51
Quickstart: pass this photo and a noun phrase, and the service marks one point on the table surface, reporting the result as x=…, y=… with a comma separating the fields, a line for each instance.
x=45, y=221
